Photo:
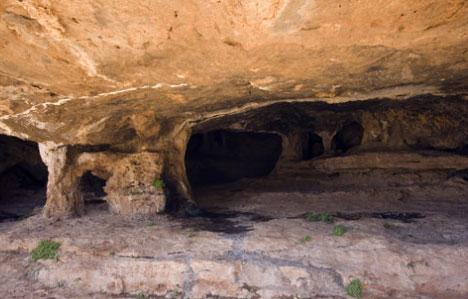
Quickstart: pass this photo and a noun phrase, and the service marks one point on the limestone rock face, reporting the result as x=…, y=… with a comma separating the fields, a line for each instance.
x=98, y=72
x=129, y=180
x=124, y=82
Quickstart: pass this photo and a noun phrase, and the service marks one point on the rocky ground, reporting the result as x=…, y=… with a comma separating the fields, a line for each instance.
x=257, y=243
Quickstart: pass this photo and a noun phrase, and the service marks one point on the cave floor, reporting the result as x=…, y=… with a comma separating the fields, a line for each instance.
x=406, y=238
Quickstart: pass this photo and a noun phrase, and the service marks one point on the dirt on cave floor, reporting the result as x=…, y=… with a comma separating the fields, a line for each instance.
x=255, y=242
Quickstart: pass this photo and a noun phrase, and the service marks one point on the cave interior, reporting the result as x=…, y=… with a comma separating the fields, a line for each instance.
x=375, y=156
x=287, y=158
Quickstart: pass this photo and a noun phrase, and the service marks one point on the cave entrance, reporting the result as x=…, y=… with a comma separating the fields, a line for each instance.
x=347, y=137
x=312, y=145
x=221, y=156
x=92, y=192
x=369, y=158
x=23, y=179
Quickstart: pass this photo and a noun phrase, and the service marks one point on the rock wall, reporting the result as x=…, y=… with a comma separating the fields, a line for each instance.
x=118, y=87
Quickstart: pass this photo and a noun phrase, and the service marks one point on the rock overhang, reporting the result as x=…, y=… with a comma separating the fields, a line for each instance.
x=73, y=70
x=103, y=78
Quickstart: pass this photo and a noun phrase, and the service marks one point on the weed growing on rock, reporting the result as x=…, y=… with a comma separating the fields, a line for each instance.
x=139, y=295
x=45, y=250
x=192, y=235
x=354, y=289
x=317, y=217
x=159, y=184
x=60, y=284
x=306, y=239
x=112, y=253
x=339, y=230
x=151, y=223
x=387, y=226
x=175, y=293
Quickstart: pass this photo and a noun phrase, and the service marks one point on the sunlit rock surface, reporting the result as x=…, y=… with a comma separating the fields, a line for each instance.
x=250, y=114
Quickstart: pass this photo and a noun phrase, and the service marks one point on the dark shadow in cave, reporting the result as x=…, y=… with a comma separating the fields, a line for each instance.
x=225, y=156
x=92, y=191
x=347, y=137
x=312, y=145
x=23, y=179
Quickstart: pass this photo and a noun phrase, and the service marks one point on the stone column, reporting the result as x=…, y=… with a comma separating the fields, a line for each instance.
x=63, y=198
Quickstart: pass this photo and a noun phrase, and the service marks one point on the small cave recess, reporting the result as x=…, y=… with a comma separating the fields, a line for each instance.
x=23, y=179
x=223, y=156
x=312, y=145
x=347, y=137
x=92, y=190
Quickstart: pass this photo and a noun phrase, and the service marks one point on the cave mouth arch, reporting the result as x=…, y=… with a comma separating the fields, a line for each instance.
x=222, y=156
x=92, y=191
x=23, y=179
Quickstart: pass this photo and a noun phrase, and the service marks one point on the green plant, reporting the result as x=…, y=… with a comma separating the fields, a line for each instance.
x=192, y=235
x=317, y=217
x=112, y=253
x=159, y=183
x=339, y=230
x=60, y=284
x=139, y=295
x=354, y=289
x=151, y=223
x=45, y=250
x=387, y=225
x=306, y=239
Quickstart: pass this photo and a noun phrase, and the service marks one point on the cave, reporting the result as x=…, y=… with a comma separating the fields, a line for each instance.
x=347, y=137
x=92, y=192
x=23, y=179
x=222, y=156
x=312, y=145
x=326, y=149
x=234, y=149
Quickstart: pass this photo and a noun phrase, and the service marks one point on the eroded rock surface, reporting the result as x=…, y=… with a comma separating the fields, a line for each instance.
x=359, y=108
x=241, y=255
x=121, y=77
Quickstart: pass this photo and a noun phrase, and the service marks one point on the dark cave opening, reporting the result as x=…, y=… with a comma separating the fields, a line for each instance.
x=347, y=137
x=222, y=156
x=92, y=190
x=333, y=151
x=23, y=179
x=312, y=145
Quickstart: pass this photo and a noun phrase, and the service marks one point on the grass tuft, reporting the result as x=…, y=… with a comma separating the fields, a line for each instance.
x=354, y=289
x=46, y=250
x=159, y=183
x=339, y=230
x=192, y=235
x=317, y=217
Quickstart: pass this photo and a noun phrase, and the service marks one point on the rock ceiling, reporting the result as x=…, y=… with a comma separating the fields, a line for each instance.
x=101, y=71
